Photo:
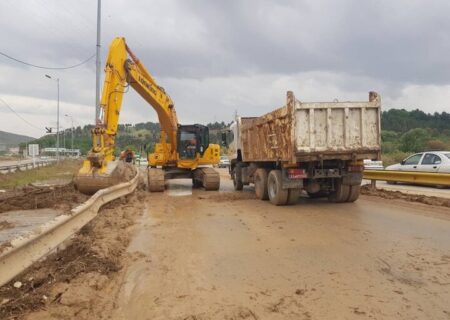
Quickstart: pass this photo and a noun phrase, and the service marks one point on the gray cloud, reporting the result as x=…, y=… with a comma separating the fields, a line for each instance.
x=215, y=57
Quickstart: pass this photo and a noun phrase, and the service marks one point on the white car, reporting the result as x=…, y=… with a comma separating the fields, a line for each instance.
x=430, y=161
x=224, y=162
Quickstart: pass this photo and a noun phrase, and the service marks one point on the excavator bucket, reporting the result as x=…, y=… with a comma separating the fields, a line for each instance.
x=89, y=180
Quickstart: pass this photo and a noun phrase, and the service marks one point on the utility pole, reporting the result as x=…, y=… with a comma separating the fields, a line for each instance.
x=57, y=123
x=97, y=62
x=57, y=119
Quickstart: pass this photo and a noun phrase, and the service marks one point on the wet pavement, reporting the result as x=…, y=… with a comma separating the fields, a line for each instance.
x=20, y=222
x=226, y=255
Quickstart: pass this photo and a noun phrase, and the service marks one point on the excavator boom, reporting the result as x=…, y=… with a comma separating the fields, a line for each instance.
x=123, y=70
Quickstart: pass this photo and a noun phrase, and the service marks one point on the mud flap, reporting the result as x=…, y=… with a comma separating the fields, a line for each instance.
x=352, y=179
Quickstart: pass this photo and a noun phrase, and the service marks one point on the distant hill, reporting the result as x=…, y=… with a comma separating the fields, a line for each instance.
x=12, y=139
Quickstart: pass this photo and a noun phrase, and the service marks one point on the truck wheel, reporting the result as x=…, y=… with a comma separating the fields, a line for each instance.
x=341, y=193
x=293, y=196
x=354, y=193
x=277, y=195
x=237, y=178
x=261, y=184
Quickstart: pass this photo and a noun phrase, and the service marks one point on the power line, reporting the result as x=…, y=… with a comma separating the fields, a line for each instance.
x=49, y=68
x=18, y=115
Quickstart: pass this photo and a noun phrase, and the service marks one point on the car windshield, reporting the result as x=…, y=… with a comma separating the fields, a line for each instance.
x=223, y=158
x=447, y=155
x=413, y=159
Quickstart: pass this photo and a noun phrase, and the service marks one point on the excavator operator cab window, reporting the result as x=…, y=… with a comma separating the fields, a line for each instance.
x=192, y=139
x=187, y=145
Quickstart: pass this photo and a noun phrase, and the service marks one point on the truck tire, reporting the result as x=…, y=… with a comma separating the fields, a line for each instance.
x=341, y=192
x=293, y=196
x=261, y=184
x=277, y=195
x=237, y=178
x=354, y=193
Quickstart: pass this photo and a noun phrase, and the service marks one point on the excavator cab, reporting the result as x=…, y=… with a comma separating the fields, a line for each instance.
x=192, y=139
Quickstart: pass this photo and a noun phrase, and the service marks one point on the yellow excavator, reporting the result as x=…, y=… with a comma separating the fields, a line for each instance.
x=183, y=151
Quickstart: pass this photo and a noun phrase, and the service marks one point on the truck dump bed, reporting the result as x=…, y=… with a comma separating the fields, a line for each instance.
x=312, y=131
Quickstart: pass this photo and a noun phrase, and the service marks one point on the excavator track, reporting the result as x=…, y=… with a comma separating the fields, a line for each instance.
x=210, y=178
x=155, y=180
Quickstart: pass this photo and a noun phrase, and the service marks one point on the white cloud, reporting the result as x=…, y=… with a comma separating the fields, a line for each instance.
x=435, y=98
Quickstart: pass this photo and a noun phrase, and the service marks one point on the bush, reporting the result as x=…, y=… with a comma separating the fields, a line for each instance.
x=435, y=145
x=414, y=140
x=389, y=147
x=393, y=157
x=389, y=136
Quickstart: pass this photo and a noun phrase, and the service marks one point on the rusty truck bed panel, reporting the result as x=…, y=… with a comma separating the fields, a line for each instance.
x=313, y=131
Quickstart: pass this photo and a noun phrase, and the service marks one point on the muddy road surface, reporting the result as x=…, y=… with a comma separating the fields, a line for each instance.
x=225, y=255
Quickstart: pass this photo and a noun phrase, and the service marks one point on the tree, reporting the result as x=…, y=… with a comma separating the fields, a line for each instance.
x=414, y=140
x=435, y=145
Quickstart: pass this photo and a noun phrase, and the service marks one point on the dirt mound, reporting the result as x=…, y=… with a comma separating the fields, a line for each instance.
x=5, y=225
x=124, y=172
x=388, y=194
x=67, y=281
x=31, y=197
x=229, y=196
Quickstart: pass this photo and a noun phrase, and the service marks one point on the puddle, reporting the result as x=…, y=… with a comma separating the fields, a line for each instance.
x=179, y=187
x=21, y=222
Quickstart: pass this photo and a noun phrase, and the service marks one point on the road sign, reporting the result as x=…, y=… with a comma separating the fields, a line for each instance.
x=33, y=150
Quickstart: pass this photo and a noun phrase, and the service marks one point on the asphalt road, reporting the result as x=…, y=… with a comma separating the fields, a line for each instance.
x=226, y=255
x=14, y=162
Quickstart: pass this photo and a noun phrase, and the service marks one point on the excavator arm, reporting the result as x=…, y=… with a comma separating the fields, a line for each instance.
x=123, y=69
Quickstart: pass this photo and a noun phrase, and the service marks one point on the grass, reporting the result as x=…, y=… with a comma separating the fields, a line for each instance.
x=61, y=171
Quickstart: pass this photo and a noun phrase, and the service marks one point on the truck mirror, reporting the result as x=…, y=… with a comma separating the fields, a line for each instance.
x=224, y=139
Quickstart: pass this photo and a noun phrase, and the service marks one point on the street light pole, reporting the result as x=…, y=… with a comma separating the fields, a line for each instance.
x=97, y=65
x=57, y=118
x=57, y=124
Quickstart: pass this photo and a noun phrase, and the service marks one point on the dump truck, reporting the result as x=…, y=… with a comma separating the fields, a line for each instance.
x=318, y=147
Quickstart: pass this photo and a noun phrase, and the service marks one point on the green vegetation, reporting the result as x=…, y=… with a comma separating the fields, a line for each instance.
x=60, y=172
x=140, y=137
x=405, y=132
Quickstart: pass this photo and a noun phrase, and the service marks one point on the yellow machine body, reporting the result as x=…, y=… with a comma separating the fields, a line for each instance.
x=122, y=70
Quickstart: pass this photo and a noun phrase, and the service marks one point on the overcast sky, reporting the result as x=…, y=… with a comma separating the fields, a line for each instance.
x=215, y=57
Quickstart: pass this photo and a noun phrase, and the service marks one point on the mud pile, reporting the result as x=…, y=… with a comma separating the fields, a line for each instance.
x=389, y=194
x=62, y=198
x=67, y=283
x=124, y=172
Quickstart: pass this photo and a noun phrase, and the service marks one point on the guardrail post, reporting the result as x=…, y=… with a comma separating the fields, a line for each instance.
x=373, y=185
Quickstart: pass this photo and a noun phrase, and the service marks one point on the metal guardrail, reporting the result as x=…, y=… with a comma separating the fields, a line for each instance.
x=28, y=165
x=26, y=250
x=442, y=179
